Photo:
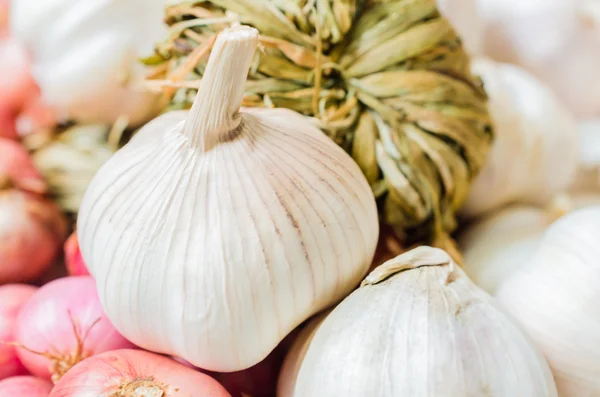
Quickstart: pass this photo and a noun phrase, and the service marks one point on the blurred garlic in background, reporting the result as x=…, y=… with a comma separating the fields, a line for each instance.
x=501, y=243
x=555, y=297
x=463, y=15
x=534, y=156
x=84, y=55
x=556, y=40
x=588, y=173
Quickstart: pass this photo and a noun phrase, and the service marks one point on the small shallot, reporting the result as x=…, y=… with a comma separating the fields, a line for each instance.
x=73, y=259
x=12, y=298
x=135, y=373
x=32, y=228
x=61, y=325
x=25, y=386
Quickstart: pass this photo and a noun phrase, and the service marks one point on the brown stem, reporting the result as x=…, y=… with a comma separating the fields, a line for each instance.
x=215, y=110
x=60, y=362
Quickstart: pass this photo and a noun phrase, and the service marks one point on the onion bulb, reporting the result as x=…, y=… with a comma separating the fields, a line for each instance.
x=137, y=374
x=557, y=40
x=12, y=298
x=534, y=156
x=73, y=259
x=25, y=386
x=555, y=298
x=61, y=325
x=32, y=229
x=84, y=55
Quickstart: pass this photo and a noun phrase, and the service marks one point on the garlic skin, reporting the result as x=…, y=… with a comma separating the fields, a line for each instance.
x=555, y=298
x=556, y=40
x=417, y=327
x=215, y=232
x=84, y=55
x=534, y=157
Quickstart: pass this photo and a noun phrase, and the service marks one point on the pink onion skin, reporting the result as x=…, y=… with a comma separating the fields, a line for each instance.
x=25, y=386
x=46, y=324
x=19, y=89
x=119, y=370
x=16, y=164
x=12, y=298
x=73, y=259
x=32, y=230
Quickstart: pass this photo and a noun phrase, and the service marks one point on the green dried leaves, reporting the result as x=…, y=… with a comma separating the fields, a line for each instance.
x=388, y=80
x=68, y=161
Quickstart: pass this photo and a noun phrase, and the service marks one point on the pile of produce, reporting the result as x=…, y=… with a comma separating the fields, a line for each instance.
x=299, y=198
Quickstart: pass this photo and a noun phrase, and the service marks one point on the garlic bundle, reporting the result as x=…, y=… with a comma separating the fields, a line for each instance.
x=215, y=232
x=387, y=80
x=84, y=55
x=416, y=327
x=68, y=160
x=534, y=156
x=555, y=297
x=557, y=40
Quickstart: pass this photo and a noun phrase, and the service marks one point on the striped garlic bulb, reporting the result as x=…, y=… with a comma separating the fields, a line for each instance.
x=215, y=232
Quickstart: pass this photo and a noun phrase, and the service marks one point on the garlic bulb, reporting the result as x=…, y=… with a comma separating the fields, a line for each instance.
x=555, y=297
x=215, y=232
x=416, y=327
x=557, y=40
x=587, y=179
x=501, y=243
x=85, y=55
x=534, y=156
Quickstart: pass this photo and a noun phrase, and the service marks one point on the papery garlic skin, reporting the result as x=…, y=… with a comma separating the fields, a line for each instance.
x=534, y=156
x=418, y=328
x=85, y=55
x=215, y=232
x=555, y=298
x=557, y=40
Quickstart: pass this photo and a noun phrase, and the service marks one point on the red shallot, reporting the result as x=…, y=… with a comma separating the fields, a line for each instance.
x=12, y=298
x=61, y=325
x=135, y=373
x=32, y=228
x=73, y=259
x=25, y=386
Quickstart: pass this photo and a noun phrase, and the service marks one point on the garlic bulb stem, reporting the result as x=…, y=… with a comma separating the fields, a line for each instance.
x=214, y=113
x=418, y=257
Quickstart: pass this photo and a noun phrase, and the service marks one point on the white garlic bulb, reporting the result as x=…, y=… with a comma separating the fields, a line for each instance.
x=587, y=179
x=501, y=243
x=85, y=55
x=417, y=327
x=534, y=156
x=555, y=297
x=464, y=17
x=215, y=232
x=557, y=40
